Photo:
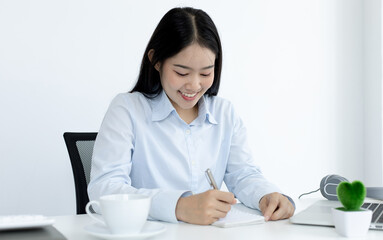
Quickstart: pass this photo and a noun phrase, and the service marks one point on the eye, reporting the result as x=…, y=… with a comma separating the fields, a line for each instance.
x=181, y=74
x=205, y=75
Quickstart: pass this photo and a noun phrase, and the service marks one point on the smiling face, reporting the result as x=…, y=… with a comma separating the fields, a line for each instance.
x=186, y=76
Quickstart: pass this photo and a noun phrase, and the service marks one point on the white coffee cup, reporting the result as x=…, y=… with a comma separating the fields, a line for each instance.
x=122, y=213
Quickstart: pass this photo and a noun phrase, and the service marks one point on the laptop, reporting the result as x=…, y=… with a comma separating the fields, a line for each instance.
x=319, y=214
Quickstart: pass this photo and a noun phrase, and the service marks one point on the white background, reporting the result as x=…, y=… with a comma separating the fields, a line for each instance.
x=304, y=75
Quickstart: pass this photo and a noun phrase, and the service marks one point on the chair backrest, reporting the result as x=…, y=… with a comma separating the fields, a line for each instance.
x=80, y=149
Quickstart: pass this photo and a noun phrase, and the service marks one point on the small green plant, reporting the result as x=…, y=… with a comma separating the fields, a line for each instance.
x=351, y=195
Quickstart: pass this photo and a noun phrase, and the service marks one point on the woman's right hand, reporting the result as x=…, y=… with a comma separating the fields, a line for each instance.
x=204, y=208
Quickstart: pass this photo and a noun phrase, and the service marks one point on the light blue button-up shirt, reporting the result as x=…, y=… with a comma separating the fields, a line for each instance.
x=143, y=146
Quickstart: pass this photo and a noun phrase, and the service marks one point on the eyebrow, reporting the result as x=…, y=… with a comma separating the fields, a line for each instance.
x=189, y=68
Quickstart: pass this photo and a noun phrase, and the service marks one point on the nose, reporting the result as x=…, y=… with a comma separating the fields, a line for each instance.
x=194, y=83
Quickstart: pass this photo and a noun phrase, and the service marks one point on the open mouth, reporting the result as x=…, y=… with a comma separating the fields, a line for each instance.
x=188, y=95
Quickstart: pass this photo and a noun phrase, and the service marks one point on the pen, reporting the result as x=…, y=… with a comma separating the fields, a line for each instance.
x=210, y=178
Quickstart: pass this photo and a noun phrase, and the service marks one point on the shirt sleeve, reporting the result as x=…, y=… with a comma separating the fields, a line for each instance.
x=112, y=163
x=243, y=177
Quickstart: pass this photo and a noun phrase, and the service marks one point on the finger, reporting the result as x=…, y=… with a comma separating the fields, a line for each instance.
x=222, y=206
x=284, y=211
x=227, y=197
x=211, y=215
x=262, y=206
x=214, y=215
x=210, y=220
x=291, y=211
x=270, y=208
x=286, y=214
x=289, y=214
x=218, y=214
x=278, y=214
x=231, y=203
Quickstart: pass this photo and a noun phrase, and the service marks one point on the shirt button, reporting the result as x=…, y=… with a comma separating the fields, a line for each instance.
x=193, y=162
x=187, y=131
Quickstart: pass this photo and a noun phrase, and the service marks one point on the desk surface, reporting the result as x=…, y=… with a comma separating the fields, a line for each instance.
x=72, y=228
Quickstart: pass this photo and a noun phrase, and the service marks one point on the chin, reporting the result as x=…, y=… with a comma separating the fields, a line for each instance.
x=188, y=107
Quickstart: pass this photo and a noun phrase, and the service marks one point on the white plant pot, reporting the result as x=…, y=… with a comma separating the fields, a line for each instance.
x=352, y=223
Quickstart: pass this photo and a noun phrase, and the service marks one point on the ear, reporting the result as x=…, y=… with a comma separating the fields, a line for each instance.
x=150, y=56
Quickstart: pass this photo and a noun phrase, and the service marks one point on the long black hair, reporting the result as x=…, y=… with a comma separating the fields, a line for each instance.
x=179, y=28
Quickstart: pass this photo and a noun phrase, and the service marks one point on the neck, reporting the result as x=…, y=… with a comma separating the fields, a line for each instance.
x=188, y=115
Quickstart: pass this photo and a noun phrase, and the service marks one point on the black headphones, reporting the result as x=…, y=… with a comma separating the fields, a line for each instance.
x=329, y=183
x=328, y=186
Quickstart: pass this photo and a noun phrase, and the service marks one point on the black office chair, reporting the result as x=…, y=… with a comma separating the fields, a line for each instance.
x=80, y=149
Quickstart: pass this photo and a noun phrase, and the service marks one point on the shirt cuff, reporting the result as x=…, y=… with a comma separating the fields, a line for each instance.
x=163, y=206
x=290, y=199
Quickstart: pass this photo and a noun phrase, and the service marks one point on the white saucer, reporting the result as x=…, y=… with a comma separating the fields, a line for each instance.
x=101, y=231
x=11, y=222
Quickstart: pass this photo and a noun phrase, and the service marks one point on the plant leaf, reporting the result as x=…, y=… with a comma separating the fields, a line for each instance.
x=351, y=195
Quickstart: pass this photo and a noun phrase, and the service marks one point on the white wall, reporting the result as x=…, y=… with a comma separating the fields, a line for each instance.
x=373, y=93
x=294, y=70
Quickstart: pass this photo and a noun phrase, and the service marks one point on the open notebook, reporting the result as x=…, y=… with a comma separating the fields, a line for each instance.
x=240, y=215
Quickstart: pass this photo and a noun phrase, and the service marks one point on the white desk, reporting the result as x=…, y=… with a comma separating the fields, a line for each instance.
x=72, y=228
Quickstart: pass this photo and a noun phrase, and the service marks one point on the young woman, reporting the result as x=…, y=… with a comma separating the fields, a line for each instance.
x=160, y=138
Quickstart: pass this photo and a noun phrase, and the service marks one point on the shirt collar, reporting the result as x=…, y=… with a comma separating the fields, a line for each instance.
x=204, y=112
x=162, y=108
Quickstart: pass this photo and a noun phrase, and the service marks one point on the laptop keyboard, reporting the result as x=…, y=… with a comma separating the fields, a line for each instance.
x=377, y=210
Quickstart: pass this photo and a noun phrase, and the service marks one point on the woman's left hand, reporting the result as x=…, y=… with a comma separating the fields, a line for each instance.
x=275, y=206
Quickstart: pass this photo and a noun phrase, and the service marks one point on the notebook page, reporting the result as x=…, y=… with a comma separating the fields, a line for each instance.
x=240, y=215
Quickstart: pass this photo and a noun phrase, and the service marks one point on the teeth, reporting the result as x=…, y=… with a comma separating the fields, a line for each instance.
x=189, y=95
